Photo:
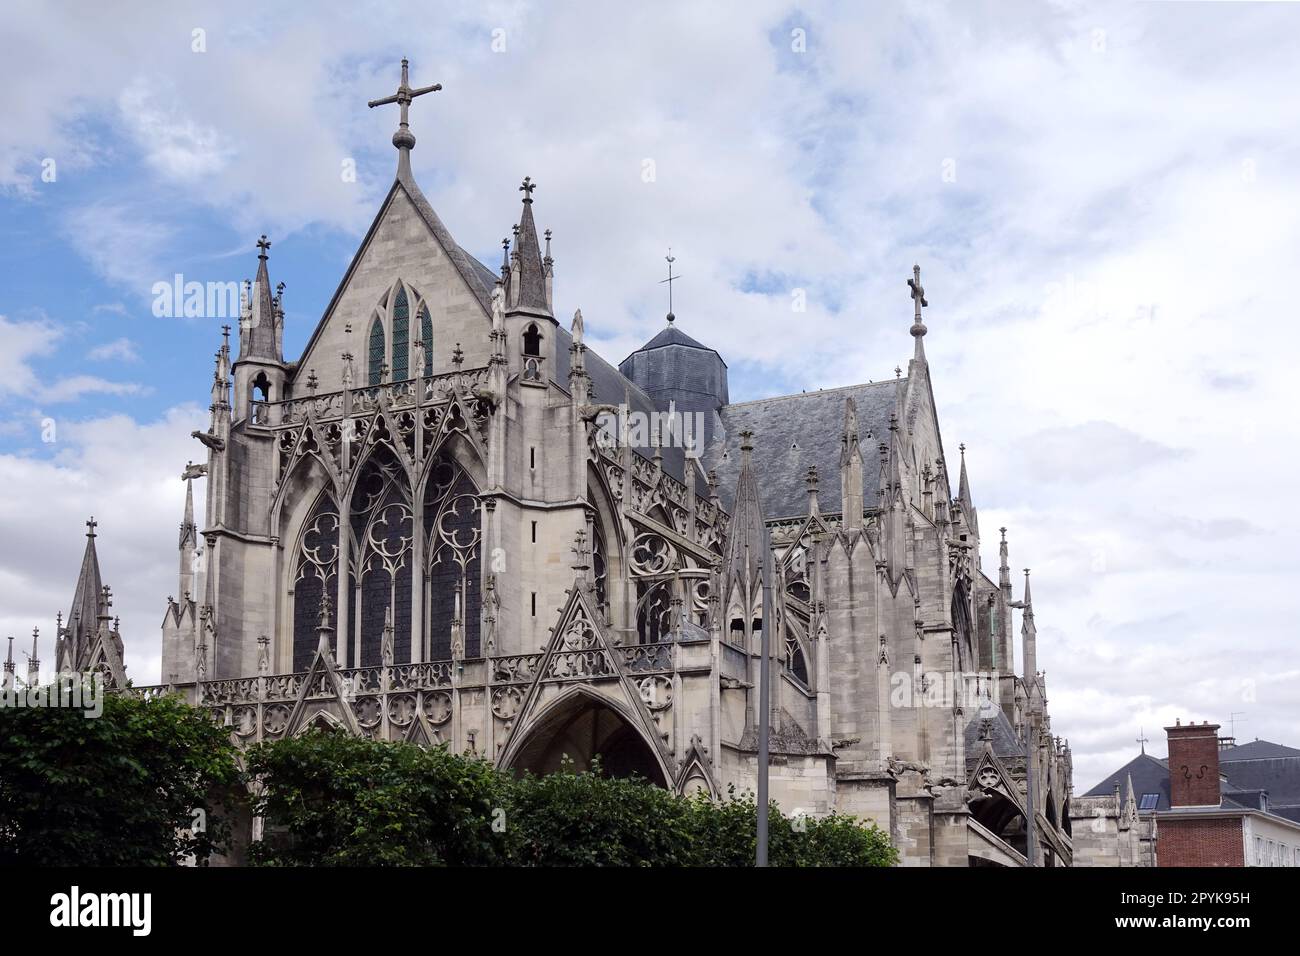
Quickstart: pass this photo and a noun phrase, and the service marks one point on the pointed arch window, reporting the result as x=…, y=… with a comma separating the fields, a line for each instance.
x=375, y=357
x=316, y=576
x=426, y=336
x=453, y=599
x=381, y=527
x=401, y=336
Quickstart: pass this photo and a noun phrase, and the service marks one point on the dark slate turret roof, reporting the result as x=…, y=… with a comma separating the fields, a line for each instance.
x=672, y=335
x=793, y=432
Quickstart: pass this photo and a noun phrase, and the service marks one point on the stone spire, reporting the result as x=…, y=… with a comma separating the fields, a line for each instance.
x=404, y=139
x=33, y=659
x=189, y=538
x=964, y=495
x=9, y=667
x=258, y=328
x=918, y=300
x=527, y=283
x=1029, y=637
x=83, y=616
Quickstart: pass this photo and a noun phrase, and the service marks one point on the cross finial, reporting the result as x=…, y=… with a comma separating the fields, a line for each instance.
x=918, y=291
x=918, y=300
x=92, y=524
x=898, y=371
x=312, y=382
x=404, y=139
x=670, y=259
x=457, y=356
x=527, y=188
x=1142, y=739
x=263, y=244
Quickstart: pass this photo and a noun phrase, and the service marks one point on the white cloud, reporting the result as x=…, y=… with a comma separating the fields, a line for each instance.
x=122, y=349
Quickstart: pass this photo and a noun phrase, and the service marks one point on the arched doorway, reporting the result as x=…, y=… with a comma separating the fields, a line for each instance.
x=583, y=728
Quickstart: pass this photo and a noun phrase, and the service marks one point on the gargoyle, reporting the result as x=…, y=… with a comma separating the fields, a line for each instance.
x=212, y=441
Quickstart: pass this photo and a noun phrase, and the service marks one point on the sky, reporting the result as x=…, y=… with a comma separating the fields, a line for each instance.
x=1101, y=197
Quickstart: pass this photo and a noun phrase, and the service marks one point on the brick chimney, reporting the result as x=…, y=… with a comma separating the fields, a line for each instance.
x=1193, y=765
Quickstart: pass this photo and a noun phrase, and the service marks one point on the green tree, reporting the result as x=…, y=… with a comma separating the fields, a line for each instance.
x=330, y=799
x=139, y=785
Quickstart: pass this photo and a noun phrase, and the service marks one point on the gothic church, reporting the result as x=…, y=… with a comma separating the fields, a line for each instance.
x=413, y=532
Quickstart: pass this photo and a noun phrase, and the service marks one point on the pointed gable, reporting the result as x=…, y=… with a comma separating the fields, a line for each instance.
x=406, y=242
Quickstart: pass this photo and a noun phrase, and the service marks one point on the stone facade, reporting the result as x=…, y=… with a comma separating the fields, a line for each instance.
x=444, y=524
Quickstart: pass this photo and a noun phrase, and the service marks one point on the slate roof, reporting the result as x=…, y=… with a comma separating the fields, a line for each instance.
x=1247, y=776
x=794, y=431
x=672, y=335
x=1280, y=776
x=1256, y=750
x=1005, y=741
x=1150, y=775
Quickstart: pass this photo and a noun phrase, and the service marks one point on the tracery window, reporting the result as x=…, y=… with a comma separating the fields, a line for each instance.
x=401, y=336
x=315, y=576
x=382, y=535
x=375, y=357
x=426, y=336
x=599, y=565
x=452, y=560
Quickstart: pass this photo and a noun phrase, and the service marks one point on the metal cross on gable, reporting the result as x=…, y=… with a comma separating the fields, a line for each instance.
x=403, y=139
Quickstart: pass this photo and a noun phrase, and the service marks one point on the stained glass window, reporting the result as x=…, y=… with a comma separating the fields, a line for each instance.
x=451, y=519
x=375, y=360
x=426, y=336
x=317, y=570
x=401, y=337
x=381, y=528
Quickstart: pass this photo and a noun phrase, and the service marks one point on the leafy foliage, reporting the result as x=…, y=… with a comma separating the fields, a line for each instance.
x=331, y=799
x=120, y=789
